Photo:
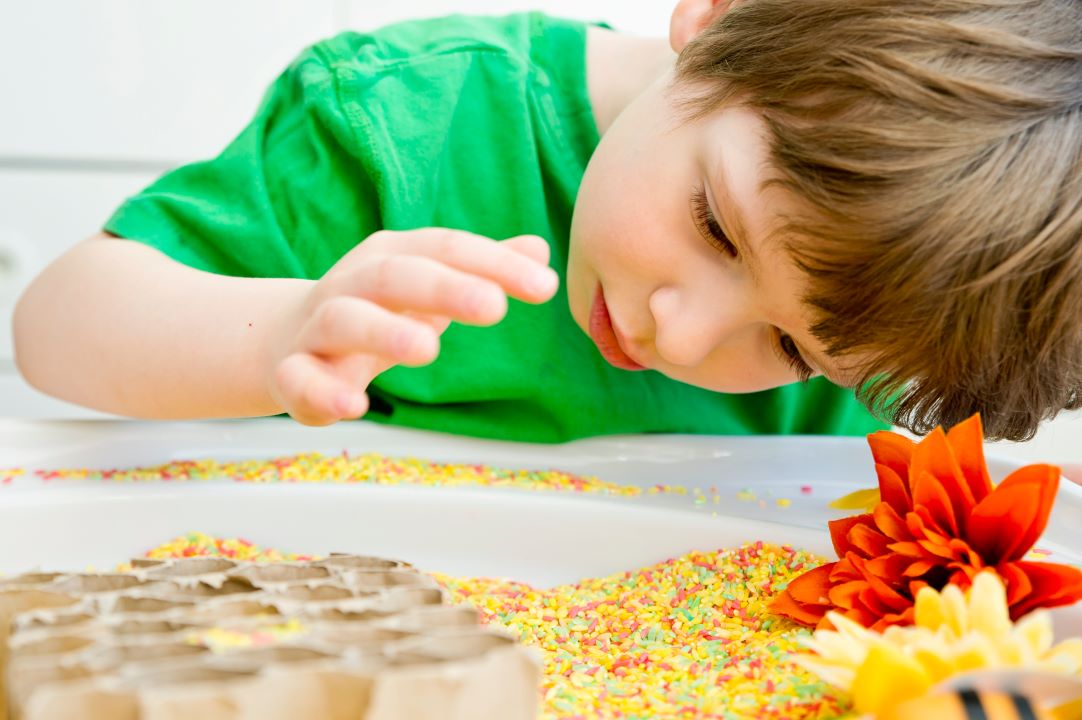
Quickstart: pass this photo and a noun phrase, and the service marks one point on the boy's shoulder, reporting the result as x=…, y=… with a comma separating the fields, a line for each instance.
x=527, y=38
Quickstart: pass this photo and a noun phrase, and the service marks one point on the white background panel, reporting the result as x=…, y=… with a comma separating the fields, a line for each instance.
x=142, y=80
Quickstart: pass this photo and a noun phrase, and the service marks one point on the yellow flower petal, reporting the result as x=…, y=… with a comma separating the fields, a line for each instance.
x=1034, y=632
x=887, y=677
x=929, y=610
x=975, y=652
x=1071, y=710
x=835, y=646
x=988, y=613
x=935, y=663
x=858, y=500
x=1068, y=656
x=838, y=675
x=1013, y=651
x=850, y=629
x=954, y=610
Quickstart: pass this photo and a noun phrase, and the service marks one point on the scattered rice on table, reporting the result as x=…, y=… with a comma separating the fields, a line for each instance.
x=372, y=468
x=376, y=469
x=690, y=637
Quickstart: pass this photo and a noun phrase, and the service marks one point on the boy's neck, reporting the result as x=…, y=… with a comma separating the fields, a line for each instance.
x=619, y=68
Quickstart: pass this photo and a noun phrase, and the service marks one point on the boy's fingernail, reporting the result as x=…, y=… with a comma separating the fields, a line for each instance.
x=542, y=281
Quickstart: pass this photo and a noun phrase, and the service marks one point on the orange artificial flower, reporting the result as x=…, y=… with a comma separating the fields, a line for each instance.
x=939, y=521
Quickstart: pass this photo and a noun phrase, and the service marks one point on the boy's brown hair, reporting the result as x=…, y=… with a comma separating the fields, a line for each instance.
x=935, y=147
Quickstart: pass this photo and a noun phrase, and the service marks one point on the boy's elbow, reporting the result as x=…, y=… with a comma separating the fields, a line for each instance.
x=42, y=321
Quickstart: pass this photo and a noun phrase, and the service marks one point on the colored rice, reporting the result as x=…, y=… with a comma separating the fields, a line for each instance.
x=690, y=637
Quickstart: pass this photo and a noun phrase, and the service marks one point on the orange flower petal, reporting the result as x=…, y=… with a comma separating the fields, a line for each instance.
x=922, y=526
x=1052, y=585
x=805, y=598
x=911, y=549
x=963, y=553
x=935, y=456
x=888, y=596
x=890, y=565
x=906, y=617
x=963, y=575
x=811, y=588
x=857, y=614
x=845, y=569
x=1016, y=581
x=890, y=522
x=877, y=605
x=844, y=595
x=1006, y=524
x=892, y=450
x=931, y=494
x=784, y=604
x=919, y=567
x=937, y=549
x=840, y=529
x=868, y=539
x=915, y=587
x=893, y=490
x=967, y=440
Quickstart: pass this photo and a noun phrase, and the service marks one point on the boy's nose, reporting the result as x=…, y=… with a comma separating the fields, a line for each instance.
x=689, y=330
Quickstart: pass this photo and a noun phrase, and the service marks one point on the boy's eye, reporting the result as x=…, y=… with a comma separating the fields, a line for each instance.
x=708, y=225
x=790, y=354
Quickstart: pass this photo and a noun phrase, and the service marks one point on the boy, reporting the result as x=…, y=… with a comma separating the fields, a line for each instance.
x=885, y=192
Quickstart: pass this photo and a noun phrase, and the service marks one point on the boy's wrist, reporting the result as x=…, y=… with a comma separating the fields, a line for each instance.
x=277, y=335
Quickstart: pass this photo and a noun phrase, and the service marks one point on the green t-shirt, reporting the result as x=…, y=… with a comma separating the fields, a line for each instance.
x=481, y=124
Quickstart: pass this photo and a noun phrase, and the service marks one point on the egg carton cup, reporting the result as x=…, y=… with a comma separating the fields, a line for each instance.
x=347, y=636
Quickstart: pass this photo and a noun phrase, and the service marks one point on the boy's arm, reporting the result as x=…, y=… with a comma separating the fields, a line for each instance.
x=118, y=326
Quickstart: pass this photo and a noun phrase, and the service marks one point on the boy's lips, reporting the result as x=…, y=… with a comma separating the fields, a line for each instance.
x=604, y=335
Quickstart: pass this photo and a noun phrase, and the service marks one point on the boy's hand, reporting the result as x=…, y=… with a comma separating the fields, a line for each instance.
x=386, y=303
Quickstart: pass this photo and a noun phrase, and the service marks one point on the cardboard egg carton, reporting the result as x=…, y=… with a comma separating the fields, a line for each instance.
x=211, y=638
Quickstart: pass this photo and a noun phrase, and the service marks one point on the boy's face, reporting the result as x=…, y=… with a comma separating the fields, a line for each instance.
x=648, y=285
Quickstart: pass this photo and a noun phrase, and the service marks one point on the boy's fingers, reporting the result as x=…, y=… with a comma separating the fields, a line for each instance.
x=421, y=285
x=531, y=246
x=439, y=323
x=518, y=274
x=313, y=396
x=358, y=370
x=346, y=325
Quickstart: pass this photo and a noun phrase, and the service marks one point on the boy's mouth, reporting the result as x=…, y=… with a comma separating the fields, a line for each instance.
x=604, y=335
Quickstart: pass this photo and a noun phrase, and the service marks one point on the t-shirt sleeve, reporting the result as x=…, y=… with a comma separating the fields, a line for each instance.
x=287, y=198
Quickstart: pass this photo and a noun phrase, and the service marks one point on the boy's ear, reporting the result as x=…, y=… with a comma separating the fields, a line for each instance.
x=690, y=17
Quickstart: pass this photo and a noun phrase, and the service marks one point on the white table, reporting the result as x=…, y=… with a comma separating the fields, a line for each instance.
x=539, y=537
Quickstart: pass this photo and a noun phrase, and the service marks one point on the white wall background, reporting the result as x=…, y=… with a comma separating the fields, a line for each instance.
x=99, y=98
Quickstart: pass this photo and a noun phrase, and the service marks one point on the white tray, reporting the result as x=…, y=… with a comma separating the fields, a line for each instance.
x=544, y=538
